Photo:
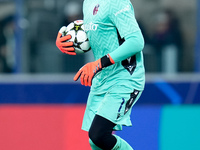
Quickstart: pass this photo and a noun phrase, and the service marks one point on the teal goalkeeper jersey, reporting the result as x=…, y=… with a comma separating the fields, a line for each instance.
x=107, y=23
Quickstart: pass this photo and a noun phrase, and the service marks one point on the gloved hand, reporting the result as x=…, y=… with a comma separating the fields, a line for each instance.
x=88, y=71
x=62, y=43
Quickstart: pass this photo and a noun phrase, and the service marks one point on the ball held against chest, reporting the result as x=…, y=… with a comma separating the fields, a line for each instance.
x=79, y=36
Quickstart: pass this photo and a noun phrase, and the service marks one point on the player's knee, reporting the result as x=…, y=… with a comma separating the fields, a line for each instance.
x=96, y=138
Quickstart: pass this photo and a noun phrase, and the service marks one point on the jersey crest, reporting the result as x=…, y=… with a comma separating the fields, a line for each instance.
x=96, y=9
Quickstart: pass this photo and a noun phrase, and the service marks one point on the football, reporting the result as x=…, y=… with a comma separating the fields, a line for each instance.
x=79, y=36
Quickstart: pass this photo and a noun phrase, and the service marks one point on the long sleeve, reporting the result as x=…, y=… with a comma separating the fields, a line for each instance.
x=133, y=44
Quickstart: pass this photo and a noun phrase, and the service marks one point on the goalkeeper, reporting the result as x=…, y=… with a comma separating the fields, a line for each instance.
x=117, y=75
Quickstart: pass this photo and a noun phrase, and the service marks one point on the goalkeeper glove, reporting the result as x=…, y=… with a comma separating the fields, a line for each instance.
x=62, y=43
x=88, y=71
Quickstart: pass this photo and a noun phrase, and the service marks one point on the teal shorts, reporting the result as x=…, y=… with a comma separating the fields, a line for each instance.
x=114, y=105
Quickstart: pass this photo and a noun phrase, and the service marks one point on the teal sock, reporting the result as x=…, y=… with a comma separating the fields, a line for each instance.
x=121, y=144
x=93, y=146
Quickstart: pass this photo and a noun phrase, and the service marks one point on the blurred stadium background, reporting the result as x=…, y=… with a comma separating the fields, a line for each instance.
x=41, y=108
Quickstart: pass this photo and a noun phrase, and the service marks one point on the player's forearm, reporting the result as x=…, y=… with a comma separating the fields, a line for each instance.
x=133, y=44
